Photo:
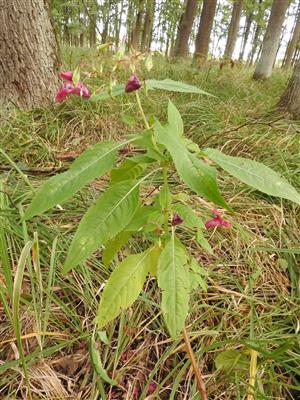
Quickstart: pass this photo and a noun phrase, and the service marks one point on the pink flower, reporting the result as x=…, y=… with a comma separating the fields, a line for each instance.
x=132, y=84
x=69, y=88
x=67, y=76
x=177, y=220
x=151, y=388
x=82, y=90
x=217, y=221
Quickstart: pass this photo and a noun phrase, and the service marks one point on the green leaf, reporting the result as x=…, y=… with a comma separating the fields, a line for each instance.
x=232, y=361
x=174, y=119
x=142, y=217
x=174, y=281
x=115, y=91
x=190, y=218
x=96, y=360
x=123, y=286
x=255, y=174
x=165, y=198
x=114, y=245
x=94, y=162
x=110, y=214
x=204, y=242
x=198, y=176
x=127, y=170
x=197, y=274
x=174, y=86
x=154, y=258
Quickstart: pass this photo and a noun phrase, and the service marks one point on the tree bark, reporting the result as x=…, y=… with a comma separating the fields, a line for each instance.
x=271, y=40
x=28, y=54
x=293, y=42
x=185, y=28
x=148, y=23
x=233, y=28
x=204, y=30
x=249, y=21
x=136, y=34
x=290, y=99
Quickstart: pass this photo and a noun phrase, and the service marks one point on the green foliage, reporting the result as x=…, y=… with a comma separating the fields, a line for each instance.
x=96, y=360
x=174, y=281
x=231, y=361
x=255, y=174
x=124, y=285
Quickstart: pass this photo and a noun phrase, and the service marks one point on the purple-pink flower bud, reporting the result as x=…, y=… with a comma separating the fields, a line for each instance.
x=132, y=84
x=67, y=76
x=177, y=220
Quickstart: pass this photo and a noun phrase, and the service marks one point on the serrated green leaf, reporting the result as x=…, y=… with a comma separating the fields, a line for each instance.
x=174, y=281
x=96, y=360
x=123, y=286
x=255, y=174
x=114, y=245
x=204, y=242
x=94, y=162
x=197, y=275
x=232, y=361
x=127, y=170
x=174, y=86
x=198, y=176
x=110, y=214
x=174, y=119
x=190, y=218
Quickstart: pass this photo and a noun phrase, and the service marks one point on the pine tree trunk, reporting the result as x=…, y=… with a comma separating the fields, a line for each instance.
x=28, y=54
x=204, y=30
x=185, y=28
x=233, y=28
x=93, y=12
x=271, y=40
x=148, y=23
x=136, y=34
x=249, y=21
x=66, y=31
x=290, y=99
x=293, y=42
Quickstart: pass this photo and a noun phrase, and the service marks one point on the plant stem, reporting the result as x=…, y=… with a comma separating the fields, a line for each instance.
x=141, y=109
x=199, y=379
x=166, y=211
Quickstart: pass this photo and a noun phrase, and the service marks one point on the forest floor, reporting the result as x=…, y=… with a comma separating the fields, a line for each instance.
x=252, y=301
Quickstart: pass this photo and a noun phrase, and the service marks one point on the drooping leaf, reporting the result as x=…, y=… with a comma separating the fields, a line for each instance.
x=110, y=214
x=174, y=86
x=198, y=176
x=114, y=245
x=96, y=360
x=94, y=162
x=190, y=218
x=174, y=119
x=174, y=281
x=124, y=286
x=127, y=170
x=197, y=275
x=255, y=174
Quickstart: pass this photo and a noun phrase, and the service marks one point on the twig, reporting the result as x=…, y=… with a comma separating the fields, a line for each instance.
x=197, y=372
x=36, y=171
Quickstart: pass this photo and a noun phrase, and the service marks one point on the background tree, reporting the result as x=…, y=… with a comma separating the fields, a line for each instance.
x=290, y=99
x=249, y=20
x=293, y=42
x=185, y=28
x=271, y=40
x=233, y=28
x=28, y=54
x=204, y=30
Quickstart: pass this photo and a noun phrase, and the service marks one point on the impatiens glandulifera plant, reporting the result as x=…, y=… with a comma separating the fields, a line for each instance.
x=120, y=212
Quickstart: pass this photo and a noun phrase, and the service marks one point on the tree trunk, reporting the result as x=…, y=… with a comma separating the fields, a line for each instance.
x=136, y=34
x=185, y=28
x=28, y=54
x=93, y=12
x=293, y=42
x=233, y=28
x=290, y=99
x=271, y=40
x=66, y=30
x=249, y=21
x=148, y=23
x=204, y=30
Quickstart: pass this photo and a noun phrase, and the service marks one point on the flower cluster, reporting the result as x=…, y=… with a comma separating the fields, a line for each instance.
x=217, y=221
x=69, y=87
